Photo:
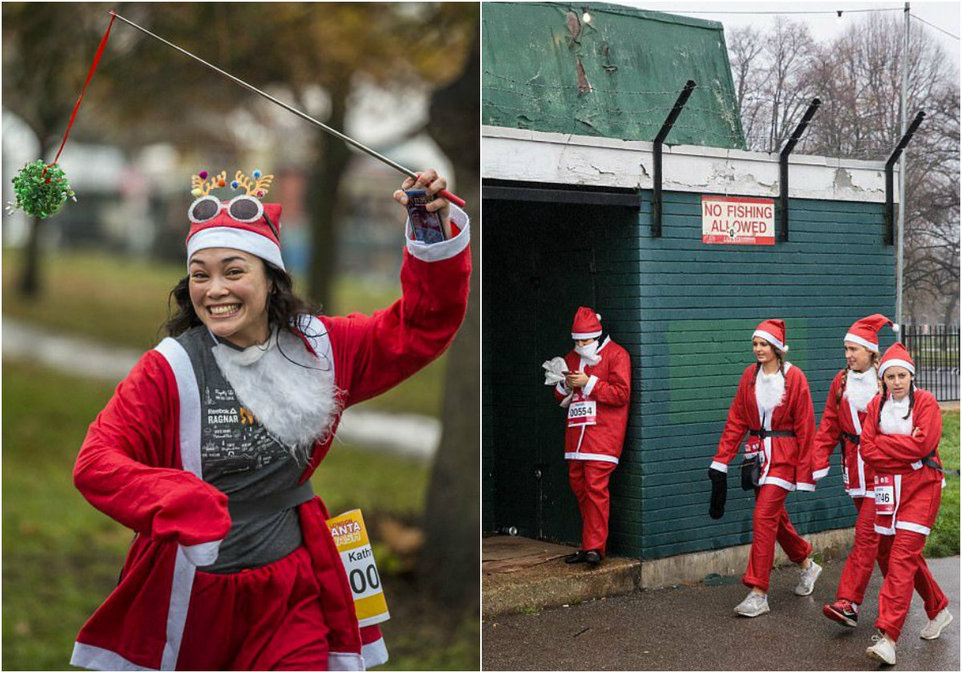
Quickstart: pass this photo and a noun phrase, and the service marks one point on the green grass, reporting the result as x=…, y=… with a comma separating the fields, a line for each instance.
x=61, y=556
x=944, y=539
x=123, y=302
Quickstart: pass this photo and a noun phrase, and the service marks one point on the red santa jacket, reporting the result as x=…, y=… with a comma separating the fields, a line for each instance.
x=609, y=387
x=840, y=421
x=140, y=460
x=903, y=464
x=787, y=460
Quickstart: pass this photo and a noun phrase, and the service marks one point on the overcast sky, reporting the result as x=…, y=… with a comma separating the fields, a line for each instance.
x=821, y=17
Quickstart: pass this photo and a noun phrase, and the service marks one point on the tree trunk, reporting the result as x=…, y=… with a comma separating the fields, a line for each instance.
x=450, y=556
x=333, y=157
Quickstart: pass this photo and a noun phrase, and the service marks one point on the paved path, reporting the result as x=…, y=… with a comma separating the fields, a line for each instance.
x=400, y=434
x=694, y=628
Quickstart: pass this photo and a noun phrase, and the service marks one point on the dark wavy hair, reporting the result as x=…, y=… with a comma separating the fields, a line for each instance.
x=283, y=306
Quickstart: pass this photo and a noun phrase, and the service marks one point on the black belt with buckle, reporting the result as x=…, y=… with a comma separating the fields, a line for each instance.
x=854, y=439
x=771, y=433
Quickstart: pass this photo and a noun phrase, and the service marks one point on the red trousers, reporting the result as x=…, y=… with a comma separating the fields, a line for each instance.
x=904, y=568
x=589, y=481
x=858, y=566
x=770, y=523
x=265, y=619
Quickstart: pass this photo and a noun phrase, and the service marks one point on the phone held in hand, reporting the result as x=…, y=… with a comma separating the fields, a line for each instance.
x=427, y=226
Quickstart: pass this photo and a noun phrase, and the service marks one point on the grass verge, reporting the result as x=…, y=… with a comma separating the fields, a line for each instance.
x=944, y=539
x=61, y=557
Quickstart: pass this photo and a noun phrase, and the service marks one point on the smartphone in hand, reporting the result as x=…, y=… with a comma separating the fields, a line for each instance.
x=427, y=226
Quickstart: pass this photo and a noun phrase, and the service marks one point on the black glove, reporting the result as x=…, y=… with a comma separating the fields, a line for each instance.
x=719, y=491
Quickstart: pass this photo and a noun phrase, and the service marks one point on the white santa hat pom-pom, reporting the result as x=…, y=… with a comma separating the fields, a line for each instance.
x=896, y=327
x=598, y=316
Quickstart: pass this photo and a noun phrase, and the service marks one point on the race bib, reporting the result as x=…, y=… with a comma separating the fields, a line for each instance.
x=350, y=537
x=884, y=495
x=584, y=412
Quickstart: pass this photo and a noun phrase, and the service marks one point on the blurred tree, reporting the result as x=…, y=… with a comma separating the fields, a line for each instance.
x=43, y=74
x=144, y=92
x=450, y=556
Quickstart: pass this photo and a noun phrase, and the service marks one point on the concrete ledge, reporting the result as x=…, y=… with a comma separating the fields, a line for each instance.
x=555, y=583
x=732, y=561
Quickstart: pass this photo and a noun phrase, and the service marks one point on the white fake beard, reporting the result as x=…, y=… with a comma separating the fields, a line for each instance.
x=861, y=387
x=589, y=353
x=769, y=390
x=296, y=403
x=893, y=422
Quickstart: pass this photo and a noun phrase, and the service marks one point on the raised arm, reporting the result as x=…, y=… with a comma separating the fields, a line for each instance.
x=129, y=469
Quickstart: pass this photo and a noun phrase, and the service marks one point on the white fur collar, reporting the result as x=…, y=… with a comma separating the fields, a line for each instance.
x=770, y=389
x=861, y=387
x=295, y=401
x=893, y=422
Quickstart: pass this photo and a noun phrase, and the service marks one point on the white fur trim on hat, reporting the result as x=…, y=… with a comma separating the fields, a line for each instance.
x=896, y=363
x=770, y=339
x=585, y=335
x=862, y=342
x=238, y=239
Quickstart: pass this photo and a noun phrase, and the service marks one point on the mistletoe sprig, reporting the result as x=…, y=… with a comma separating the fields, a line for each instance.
x=40, y=193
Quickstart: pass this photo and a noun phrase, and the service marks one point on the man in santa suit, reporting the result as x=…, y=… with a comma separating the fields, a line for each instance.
x=595, y=393
x=850, y=393
x=900, y=439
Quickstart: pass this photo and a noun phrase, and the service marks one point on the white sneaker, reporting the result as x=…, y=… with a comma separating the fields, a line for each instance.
x=806, y=583
x=883, y=650
x=934, y=628
x=754, y=604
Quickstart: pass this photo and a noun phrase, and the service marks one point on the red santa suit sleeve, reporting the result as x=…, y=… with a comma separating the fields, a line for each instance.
x=803, y=417
x=738, y=423
x=616, y=389
x=117, y=472
x=895, y=454
x=829, y=431
x=374, y=353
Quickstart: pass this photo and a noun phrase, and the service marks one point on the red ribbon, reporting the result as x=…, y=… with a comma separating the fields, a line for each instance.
x=93, y=67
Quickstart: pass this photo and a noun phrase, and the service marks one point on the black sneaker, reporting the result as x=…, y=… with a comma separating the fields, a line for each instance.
x=843, y=612
x=593, y=557
x=577, y=557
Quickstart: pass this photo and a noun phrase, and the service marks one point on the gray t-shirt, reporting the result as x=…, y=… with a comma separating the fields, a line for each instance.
x=241, y=458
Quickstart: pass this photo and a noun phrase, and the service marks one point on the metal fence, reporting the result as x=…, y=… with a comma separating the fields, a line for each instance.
x=935, y=349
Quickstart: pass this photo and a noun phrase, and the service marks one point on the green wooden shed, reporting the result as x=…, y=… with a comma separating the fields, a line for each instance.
x=568, y=213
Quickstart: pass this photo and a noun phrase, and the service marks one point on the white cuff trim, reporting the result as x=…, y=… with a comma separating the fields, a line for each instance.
x=345, y=661
x=374, y=654
x=592, y=380
x=881, y=530
x=915, y=527
x=435, y=252
x=787, y=485
x=917, y=465
x=99, y=659
x=820, y=474
x=202, y=554
x=721, y=467
x=802, y=486
x=577, y=455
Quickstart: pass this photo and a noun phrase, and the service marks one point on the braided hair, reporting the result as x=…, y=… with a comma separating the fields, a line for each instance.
x=885, y=394
x=781, y=365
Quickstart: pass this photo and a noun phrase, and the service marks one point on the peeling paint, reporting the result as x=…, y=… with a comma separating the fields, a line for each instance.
x=843, y=179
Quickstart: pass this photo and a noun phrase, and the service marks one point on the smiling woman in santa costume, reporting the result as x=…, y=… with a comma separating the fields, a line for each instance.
x=207, y=448
x=900, y=439
x=773, y=405
x=845, y=408
x=595, y=393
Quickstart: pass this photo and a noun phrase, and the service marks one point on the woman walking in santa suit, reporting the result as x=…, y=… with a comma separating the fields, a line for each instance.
x=773, y=405
x=900, y=439
x=848, y=397
x=206, y=449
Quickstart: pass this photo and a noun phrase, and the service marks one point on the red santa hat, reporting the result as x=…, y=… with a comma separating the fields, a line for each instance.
x=897, y=355
x=864, y=332
x=772, y=331
x=242, y=223
x=586, y=325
